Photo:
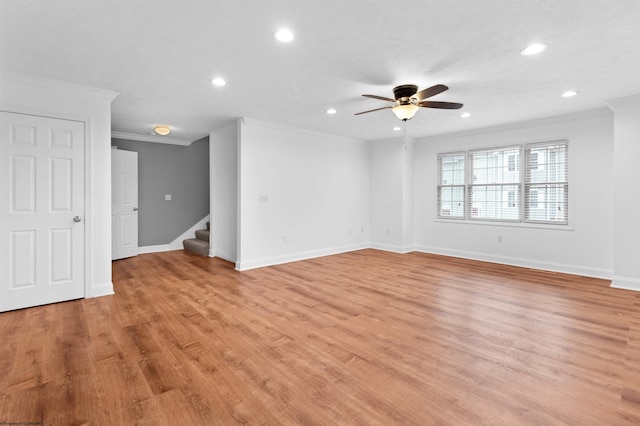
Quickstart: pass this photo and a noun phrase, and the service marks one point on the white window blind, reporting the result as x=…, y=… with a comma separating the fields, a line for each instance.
x=451, y=187
x=494, y=184
x=546, y=186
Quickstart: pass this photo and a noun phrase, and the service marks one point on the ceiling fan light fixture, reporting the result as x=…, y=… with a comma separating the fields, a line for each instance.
x=162, y=130
x=405, y=112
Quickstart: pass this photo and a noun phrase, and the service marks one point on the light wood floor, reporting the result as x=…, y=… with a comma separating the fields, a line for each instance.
x=360, y=338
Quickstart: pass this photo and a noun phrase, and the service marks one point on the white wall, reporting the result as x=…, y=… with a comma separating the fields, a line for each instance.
x=386, y=195
x=391, y=206
x=223, y=172
x=35, y=95
x=626, y=194
x=317, y=194
x=584, y=247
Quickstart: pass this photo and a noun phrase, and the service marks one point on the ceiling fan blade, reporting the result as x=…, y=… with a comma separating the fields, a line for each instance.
x=371, y=110
x=440, y=105
x=379, y=97
x=430, y=91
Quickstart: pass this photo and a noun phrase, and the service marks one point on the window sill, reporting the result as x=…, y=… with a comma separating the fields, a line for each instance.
x=506, y=224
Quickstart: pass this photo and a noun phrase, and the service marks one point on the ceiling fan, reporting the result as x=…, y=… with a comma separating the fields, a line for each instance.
x=408, y=100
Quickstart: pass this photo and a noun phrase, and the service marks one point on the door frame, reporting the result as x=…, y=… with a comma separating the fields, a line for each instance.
x=88, y=213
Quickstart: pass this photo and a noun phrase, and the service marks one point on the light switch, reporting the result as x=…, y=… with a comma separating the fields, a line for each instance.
x=263, y=198
x=167, y=197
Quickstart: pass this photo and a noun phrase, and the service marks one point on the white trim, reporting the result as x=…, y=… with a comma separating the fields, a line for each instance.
x=176, y=244
x=626, y=283
x=221, y=256
x=150, y=138
x=623, y=102
x=498, y=128
x=291, y=129
x=154, y=249
x=564, y=268
x=277, y=260
x=102, y=289
x=392, y=248
x=56, y=84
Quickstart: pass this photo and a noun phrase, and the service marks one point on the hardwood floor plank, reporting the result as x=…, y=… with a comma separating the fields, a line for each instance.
x=366, y=337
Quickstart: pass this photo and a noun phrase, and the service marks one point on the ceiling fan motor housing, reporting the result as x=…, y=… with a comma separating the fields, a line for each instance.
x=404, y=93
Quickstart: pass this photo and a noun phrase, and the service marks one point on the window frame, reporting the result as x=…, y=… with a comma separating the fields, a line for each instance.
x=525, y=184
x=442, y=185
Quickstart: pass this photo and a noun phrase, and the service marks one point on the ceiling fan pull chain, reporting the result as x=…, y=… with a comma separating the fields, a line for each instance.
x=404, y=134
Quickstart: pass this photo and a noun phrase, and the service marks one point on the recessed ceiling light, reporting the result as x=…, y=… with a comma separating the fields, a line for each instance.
x=533, y=49
x=465, y=115
x=218, y=81
x=162, y=130
x=284, y=35
x=397, y=129
x=569, y=93
x=331, y=111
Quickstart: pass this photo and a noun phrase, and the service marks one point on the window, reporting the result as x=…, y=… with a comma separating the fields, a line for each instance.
x=489, y=184
x=548, y=181
x=451, y=185
x=493, y=183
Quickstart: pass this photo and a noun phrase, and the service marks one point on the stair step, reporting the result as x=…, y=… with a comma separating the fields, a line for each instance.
x=196, y=246
x=203, y=234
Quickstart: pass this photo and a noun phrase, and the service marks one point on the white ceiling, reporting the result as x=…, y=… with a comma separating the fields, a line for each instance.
x=161, y=56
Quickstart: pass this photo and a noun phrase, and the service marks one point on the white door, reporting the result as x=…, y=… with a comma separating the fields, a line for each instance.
x=124, y=204
x=41, y=210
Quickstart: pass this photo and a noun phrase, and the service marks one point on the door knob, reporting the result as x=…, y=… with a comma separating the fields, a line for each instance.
x=135, y=209
x=77, y=219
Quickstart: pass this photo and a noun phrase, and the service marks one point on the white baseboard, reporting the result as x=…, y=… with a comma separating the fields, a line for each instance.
x=392, y=248
x=177, y=243
x=102, y=289
x=222, y=256
x=154, y=249
x=525, y=263
x=293, y=257
x=626, y=283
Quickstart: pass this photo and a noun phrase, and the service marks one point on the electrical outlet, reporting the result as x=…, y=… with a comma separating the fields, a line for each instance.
x=167, y=197
x=499, y=238
x=263, y=199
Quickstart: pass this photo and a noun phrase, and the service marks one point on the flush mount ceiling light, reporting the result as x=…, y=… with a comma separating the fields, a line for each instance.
x=218, y=81
x=284, y=35
x=465, y=115
x=533, y=49
x=569, y=94
x=331, y=111
x=405, y=112
x=397, y=129
x=162, y=130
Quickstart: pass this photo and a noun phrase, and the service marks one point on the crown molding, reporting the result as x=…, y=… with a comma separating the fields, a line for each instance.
x=150, y=138
x=299, y=130
x=62, y=85
x=618, y=103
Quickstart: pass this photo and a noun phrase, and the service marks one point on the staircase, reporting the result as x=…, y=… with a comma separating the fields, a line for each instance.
x=199, y=244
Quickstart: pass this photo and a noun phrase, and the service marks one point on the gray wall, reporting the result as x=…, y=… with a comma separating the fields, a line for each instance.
x=183, y=172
